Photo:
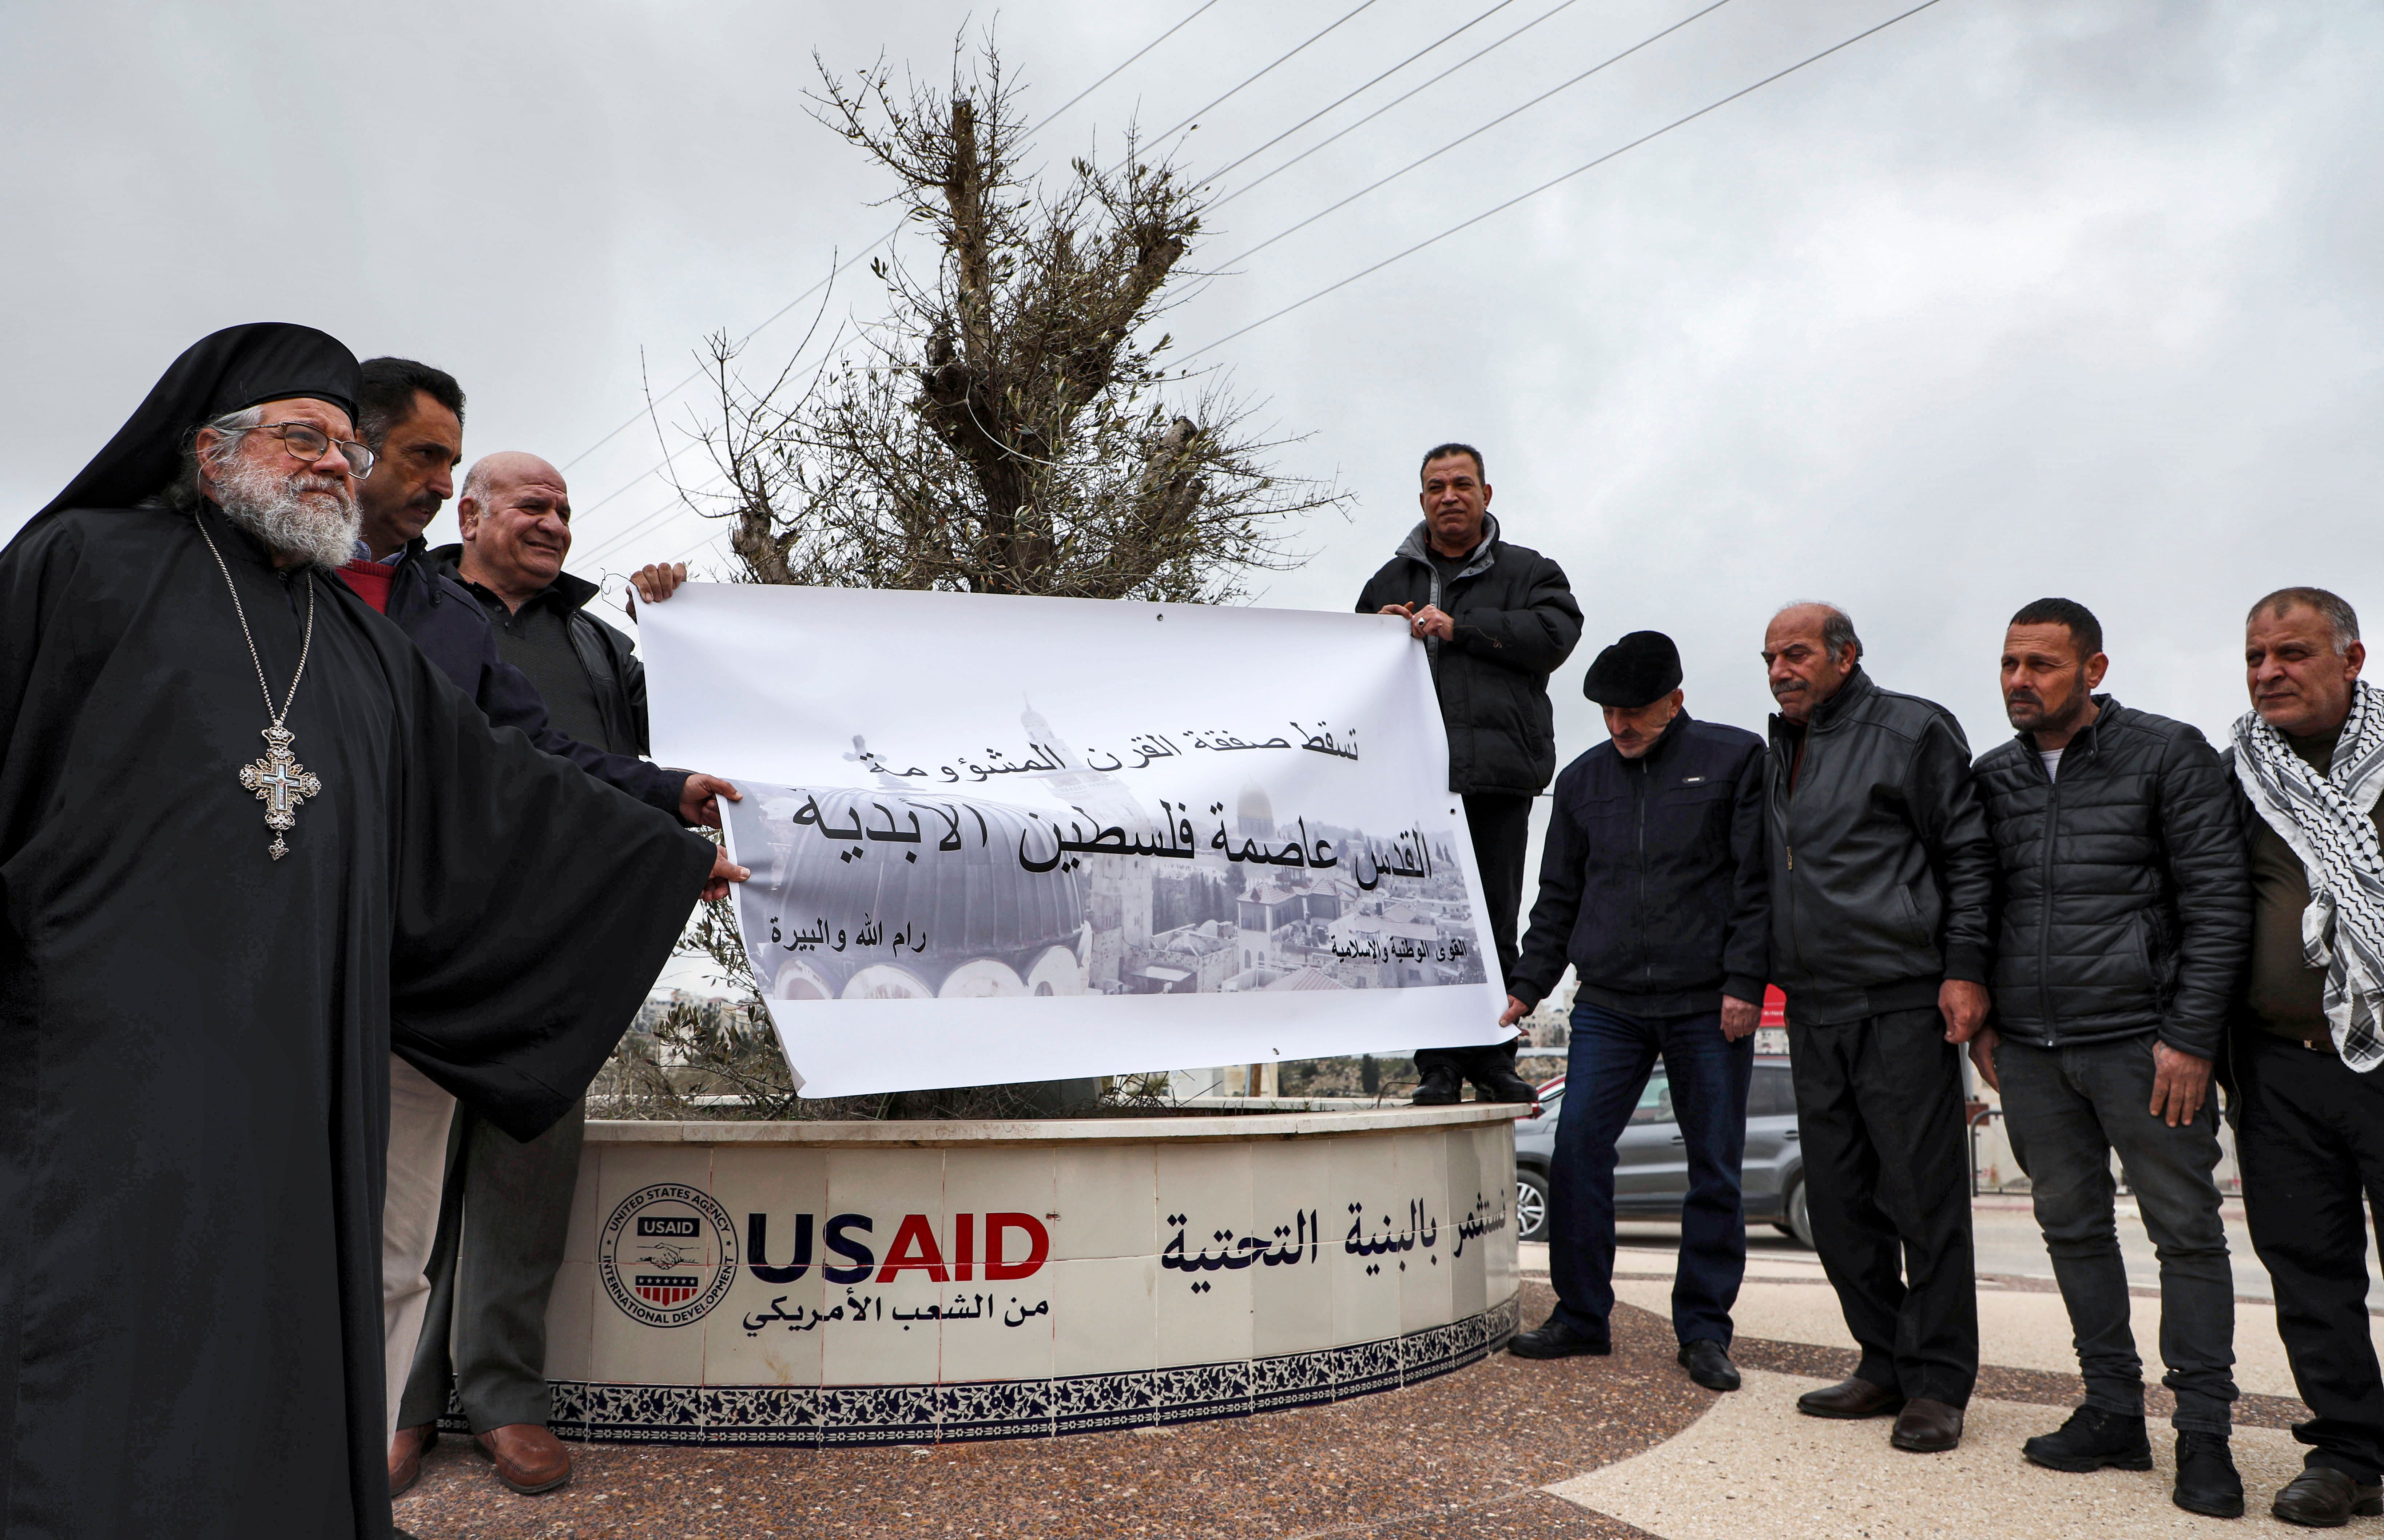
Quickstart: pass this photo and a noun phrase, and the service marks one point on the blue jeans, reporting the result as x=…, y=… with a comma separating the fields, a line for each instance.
x=1611, y=1057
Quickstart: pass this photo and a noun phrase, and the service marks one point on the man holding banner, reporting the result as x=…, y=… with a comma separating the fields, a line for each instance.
x=1495, y=620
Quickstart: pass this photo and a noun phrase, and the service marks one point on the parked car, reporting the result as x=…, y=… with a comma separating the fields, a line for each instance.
x=1651, y=1171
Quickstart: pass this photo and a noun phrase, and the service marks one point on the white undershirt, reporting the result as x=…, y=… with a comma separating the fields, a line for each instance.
x=2052, y=758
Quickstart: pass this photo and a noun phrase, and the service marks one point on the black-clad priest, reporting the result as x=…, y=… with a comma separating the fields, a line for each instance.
x=251, y=843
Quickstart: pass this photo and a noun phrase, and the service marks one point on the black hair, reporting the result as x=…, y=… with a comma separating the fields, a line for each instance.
x=2084, y=629
x=1444, y=451
x=388, y=397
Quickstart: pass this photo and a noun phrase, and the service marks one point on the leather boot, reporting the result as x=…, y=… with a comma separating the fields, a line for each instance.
x=1504, y=1084
x=529, y=1458
x=2091, y=1440
x=1927, y=1427
x=1441, y=1087
x=2323, y=1498
x=1554, y=1339
x=405, y=1452
x=1709, y=1363
x=1850, y=1399
x=2206, y=1479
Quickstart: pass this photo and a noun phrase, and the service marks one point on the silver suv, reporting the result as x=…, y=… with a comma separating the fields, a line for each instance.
x=1651, y=1168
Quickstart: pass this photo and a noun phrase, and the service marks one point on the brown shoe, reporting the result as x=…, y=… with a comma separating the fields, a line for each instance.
x=1927, y=1427
x=1850, y=1399
x=529, y=1458
x=405, y=1452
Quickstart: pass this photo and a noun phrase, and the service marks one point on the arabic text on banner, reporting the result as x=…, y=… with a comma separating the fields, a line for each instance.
x=1002, y=838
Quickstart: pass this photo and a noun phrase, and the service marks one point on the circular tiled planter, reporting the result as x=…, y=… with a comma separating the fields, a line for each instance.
x=901, y=1283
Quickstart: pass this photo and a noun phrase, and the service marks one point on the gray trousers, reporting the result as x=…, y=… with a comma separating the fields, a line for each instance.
x=2066, y=1109
x=501, y=1224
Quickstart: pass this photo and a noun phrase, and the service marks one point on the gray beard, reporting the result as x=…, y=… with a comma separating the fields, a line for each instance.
x=280, y=511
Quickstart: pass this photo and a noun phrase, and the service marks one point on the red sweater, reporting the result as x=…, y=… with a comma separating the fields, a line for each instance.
x=370, y=579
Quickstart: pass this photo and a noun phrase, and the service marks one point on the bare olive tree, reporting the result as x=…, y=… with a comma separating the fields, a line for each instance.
x=1008, y=426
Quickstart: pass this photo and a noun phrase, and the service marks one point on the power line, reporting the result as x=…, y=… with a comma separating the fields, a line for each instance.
x=1300, y=48
x=890, y=235
x=1219, y=174
x=1051, y=116
x=1475, y=133
x=773, y=317
x=1560, y=6
x=1552, y=181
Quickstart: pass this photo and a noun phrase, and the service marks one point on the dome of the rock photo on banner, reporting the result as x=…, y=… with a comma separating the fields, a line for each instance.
x=999, y=930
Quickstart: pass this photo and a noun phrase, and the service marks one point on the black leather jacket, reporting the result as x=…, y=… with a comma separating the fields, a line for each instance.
x=1882, y=873
x=1652, y=886
x=1516, y=622
x=2126, y=896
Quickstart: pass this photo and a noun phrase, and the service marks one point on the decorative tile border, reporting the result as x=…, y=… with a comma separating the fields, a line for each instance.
x=860, y=1416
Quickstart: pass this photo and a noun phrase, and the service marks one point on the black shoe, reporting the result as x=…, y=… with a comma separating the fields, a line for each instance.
x=1850, y=1399
x=1557, y=1340
x=1927, y=1427
x=2207, y=1481
x=1709, y=1364
x=1504, y=1085
x=2091, y=1440
x=1441, y=1087
x=2323, y=1498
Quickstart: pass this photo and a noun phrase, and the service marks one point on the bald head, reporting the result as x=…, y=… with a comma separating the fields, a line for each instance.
x=515, y=516
x=1809, y=650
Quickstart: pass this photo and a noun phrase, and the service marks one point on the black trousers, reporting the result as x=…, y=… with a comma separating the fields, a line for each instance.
x=2311, y=1144
x=1887, y=1182
x=502, y=1228
x=1502, y=828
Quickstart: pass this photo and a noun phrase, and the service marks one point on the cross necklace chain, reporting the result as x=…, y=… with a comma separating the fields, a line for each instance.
x=278, y=780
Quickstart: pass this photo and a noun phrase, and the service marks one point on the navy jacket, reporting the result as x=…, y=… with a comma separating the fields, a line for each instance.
x=1653, y=884
x=447, y=624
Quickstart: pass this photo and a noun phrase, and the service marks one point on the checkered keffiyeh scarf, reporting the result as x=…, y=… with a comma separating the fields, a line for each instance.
x=2325, y=820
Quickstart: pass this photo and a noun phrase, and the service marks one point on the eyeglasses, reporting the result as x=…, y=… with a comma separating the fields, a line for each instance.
x=309, y=443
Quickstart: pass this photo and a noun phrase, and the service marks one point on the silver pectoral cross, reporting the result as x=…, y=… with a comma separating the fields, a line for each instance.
x=281, y=783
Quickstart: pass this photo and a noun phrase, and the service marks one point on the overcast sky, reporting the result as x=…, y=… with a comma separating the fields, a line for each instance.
x=2009, y=299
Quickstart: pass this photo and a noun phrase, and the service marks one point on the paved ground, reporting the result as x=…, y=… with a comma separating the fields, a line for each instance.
x=1610, y=1449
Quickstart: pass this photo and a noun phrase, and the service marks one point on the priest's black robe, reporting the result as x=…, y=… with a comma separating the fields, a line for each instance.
x=194, y=1037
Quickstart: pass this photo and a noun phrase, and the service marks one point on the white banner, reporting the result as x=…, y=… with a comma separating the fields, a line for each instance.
x=999, y=838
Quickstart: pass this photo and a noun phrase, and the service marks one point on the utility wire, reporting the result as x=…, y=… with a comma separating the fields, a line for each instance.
x=1560, y=6
x=891, y=234
x=1219, y=174
x=1121, y=68
x=1475, y=133
x=1552, y=181
x=1192, y=118
x=775, y=315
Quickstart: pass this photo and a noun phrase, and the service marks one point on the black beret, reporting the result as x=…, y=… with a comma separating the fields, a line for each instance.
x=1639, y=670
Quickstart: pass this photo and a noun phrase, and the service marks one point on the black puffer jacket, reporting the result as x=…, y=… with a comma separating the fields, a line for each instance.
x=2127, y=898
x=1516, y=622
x=1882, y=873
x=1652, y=887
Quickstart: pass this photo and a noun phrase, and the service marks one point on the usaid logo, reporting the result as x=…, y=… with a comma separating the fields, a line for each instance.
x=667, y=1255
